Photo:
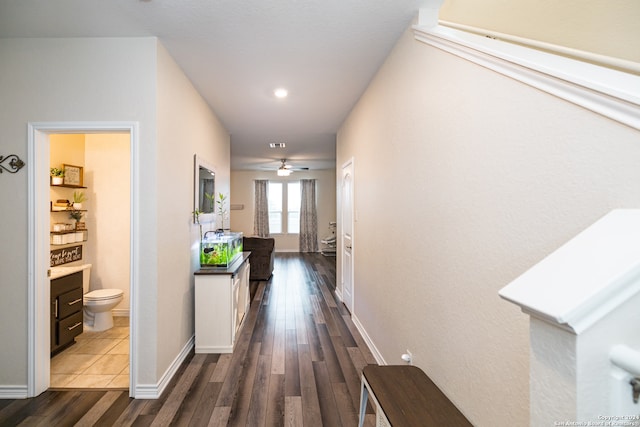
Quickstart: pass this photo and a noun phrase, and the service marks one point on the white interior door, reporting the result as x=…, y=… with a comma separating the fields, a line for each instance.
x=347, y=235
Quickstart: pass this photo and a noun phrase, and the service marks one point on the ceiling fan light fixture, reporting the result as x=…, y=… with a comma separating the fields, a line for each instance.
x=283, y=172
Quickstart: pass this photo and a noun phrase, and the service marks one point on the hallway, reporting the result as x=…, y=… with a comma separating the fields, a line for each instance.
x=297, y=362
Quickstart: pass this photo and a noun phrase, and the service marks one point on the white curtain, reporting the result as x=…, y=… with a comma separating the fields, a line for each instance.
x=308, y=216
x=261, y=215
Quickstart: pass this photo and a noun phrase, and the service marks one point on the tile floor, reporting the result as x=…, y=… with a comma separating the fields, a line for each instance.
x=96, y=360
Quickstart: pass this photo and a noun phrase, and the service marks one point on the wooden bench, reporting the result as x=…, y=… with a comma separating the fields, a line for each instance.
x=404, y=396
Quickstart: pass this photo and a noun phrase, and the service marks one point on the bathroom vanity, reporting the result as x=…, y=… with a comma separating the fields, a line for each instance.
x=66, y=310
x=221, y=302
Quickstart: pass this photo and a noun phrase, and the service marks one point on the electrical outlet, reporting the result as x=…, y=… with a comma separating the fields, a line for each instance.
x=407, y=357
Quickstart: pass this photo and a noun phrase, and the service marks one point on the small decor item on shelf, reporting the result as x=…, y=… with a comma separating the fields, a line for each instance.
x=57, y=176
x=78, y=199
x=73, y=175
x=60, y=205
x=75, y=214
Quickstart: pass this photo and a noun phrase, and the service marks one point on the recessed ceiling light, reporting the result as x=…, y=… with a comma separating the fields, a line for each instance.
x=281, y=92
x=277, y=144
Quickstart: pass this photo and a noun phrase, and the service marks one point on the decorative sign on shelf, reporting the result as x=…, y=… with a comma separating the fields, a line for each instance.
x=66, y=255
x=73, y=175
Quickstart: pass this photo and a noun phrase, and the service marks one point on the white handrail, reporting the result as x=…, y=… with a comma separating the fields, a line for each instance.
x=626, y=358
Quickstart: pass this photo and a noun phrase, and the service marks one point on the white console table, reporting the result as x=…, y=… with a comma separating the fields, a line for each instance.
x=221, y=302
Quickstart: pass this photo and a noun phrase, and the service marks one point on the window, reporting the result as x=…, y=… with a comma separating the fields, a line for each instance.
x=284, y=197
x=293, y=207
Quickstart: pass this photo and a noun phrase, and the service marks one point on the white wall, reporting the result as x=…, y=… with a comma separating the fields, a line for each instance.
x=242, y=192
x=66, y=80
x=473, y=177
x=111, y=79
x=186, y=126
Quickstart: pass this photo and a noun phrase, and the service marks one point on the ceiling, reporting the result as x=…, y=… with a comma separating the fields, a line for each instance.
x=236, y=53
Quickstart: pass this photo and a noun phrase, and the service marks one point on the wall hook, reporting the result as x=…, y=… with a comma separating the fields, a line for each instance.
x=14, y=163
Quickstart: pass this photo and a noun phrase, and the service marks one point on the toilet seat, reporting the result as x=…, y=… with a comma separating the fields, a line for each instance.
x=103, y=294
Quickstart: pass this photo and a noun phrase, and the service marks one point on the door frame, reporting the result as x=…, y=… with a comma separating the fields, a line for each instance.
x=348, y=304
x=38, y=293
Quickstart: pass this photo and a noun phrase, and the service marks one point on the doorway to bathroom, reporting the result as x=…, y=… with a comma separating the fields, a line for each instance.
x=104, y=154
x=90, y=337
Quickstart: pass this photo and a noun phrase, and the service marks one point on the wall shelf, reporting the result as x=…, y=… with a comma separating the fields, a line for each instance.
x=68, y=210
x=67, y=186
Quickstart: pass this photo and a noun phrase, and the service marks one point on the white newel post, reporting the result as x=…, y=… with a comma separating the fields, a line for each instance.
x=584, y=303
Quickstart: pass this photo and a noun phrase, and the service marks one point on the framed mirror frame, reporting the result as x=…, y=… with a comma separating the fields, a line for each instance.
x=202, y=173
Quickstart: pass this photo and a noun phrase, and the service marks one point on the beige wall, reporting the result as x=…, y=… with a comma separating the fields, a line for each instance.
x=107, y=177
x=473, y=178
x=186, y=126
x=242, y=192
x=597, y=26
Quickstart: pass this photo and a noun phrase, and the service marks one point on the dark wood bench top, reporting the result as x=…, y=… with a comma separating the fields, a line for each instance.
x=409, y=398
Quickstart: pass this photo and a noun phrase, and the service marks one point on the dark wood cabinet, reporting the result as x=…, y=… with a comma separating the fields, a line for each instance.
x=66, y=310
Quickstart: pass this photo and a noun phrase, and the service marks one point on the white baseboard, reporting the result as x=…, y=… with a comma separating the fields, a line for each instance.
x=368, y=341
x=154, y=391
x=120, y=312
x=13, y=392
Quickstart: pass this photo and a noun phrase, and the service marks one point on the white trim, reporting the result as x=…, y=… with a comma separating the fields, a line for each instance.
x=367, y=339
x=569, y=290
x=13, y=392
x=154, y=391
x=38, y=293
x=215, y=349
x=611, y=93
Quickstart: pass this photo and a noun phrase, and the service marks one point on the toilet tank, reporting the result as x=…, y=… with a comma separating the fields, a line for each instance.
x=86, y=276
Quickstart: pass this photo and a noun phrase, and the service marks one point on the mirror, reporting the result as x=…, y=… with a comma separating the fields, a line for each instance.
x=204, y=185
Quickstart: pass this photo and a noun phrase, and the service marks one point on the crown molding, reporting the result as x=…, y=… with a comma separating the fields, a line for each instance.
x=606, y=91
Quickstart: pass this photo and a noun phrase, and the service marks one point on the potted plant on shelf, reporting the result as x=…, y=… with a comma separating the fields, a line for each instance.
x=78, y=199
x=77, y=215
x=56, y=176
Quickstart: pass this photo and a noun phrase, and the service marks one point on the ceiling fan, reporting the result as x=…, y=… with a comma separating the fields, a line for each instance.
x=286, y=169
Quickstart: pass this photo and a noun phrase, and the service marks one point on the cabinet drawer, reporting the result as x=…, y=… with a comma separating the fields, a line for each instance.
x=69, y=303
x=69, y=328
x=66, y=283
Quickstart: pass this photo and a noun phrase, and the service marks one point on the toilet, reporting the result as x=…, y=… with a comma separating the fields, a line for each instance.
x=98, y=304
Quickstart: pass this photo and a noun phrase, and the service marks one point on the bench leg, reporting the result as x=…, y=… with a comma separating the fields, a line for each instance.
x=364, y=395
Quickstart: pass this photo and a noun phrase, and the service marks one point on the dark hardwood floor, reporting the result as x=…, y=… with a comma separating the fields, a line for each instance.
x=297, y=362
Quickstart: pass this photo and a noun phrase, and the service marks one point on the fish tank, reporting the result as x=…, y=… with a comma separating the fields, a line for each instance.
x=220, y=249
